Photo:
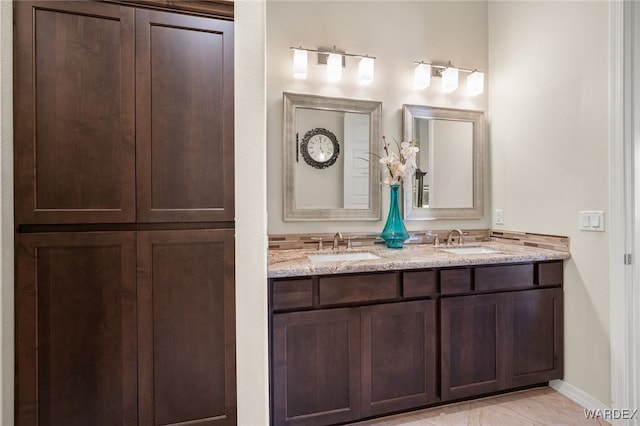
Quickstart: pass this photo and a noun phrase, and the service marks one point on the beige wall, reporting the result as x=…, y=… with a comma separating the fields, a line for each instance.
x=397, y=33
x=549, y=155
x=251, y=213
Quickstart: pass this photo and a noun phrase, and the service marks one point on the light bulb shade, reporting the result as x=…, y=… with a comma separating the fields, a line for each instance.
x=475, y=83
x=299, y=63
x=334, y=67
x=450, y=79
x=422, y=76
x=365, y=71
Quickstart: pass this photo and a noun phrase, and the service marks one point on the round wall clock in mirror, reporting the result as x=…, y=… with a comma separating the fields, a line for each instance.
x=320, y=148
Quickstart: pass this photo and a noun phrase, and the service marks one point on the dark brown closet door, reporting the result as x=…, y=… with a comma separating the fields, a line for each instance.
x=74, y=113
x=184, y=87
x=76, y=329
x=186, y=327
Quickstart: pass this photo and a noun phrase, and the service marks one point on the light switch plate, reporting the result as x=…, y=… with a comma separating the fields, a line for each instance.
x=591, y=220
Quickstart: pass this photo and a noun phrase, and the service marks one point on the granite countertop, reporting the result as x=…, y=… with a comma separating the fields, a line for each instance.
x=294, y=263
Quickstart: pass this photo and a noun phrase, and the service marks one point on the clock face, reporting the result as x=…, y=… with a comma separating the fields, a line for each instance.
x=320, y=148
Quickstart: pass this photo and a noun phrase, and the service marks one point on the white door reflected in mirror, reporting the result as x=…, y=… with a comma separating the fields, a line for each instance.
x=356, y=161
x=450, y=164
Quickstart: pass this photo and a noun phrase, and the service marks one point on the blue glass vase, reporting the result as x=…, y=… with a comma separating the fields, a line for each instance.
x=394, y=232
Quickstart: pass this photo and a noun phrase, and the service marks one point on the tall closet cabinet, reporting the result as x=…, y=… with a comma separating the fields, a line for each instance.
x=124, y=213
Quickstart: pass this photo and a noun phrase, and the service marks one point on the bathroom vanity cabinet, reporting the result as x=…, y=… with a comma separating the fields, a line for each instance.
x=352, y=346
x=341, y=364
x=507, y=338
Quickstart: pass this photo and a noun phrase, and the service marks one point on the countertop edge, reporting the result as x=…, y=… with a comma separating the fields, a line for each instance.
x=294, y=263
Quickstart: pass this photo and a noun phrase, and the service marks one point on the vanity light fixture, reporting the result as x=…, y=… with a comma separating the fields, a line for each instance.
x=334, y=67
x=422, y=76
x=450, y=79
x=365, y=70
x=475, y=83
x=335, y=61
x=299, y=64
x=449, y=75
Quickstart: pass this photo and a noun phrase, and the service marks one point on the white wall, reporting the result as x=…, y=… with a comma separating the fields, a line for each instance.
x=549, y=132
x=397, y=33
x=251, y=213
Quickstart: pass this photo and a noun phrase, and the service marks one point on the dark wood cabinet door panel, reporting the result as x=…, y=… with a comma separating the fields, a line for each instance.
x=316, y=367
x=503, y=277
x=74, y=113
x=76, y=329
x=186, y=327
x=184, y=118
x=293, y=293
x=454, y=281
x=358, y=288
x=549, y=273
x=420, y=283
x=472, y=345
x=398, y=356
x=535, y=326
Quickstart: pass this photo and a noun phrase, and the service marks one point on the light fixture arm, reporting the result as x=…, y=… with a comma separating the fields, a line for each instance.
x=449, y=75
x=438, y=67
x=328, y=52
x=335, y=61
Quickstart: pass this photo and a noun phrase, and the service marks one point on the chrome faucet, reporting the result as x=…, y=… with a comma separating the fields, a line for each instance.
x=436, y=240
x=336, y=240
x=450, y=237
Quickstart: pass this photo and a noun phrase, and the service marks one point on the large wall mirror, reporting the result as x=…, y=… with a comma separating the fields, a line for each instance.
x=448, y=182
x=329, y=172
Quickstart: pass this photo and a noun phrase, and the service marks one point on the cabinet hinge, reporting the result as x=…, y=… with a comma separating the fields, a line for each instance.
x=628, y=258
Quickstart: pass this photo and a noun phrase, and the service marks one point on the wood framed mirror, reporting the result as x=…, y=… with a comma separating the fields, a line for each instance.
x=448, y=182
x=329, y=170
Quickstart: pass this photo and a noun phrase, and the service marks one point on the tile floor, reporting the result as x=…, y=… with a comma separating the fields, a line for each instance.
x=532, y=407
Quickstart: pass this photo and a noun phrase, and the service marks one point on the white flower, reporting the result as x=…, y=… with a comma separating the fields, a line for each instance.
x=400, y=166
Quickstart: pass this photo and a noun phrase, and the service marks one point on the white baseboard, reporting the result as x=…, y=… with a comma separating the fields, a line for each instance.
x=576, y=395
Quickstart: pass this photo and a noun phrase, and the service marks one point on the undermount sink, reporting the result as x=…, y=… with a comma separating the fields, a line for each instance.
x=339, y=257
x=470, y=250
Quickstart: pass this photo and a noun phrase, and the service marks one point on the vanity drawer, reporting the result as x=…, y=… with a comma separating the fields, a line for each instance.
x=343, y=289
x=289, y=294
x=419, y=283
x=549, y=273
x=503, y=277
x=454, y=281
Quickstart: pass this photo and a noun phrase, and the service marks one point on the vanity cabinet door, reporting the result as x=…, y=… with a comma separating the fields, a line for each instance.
x=535, y=336
x=398, y=356
x=76, y=329
x=186, y=334
x=472, y=345
x=497, y=341
x=316, y=367
x=184, y=118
